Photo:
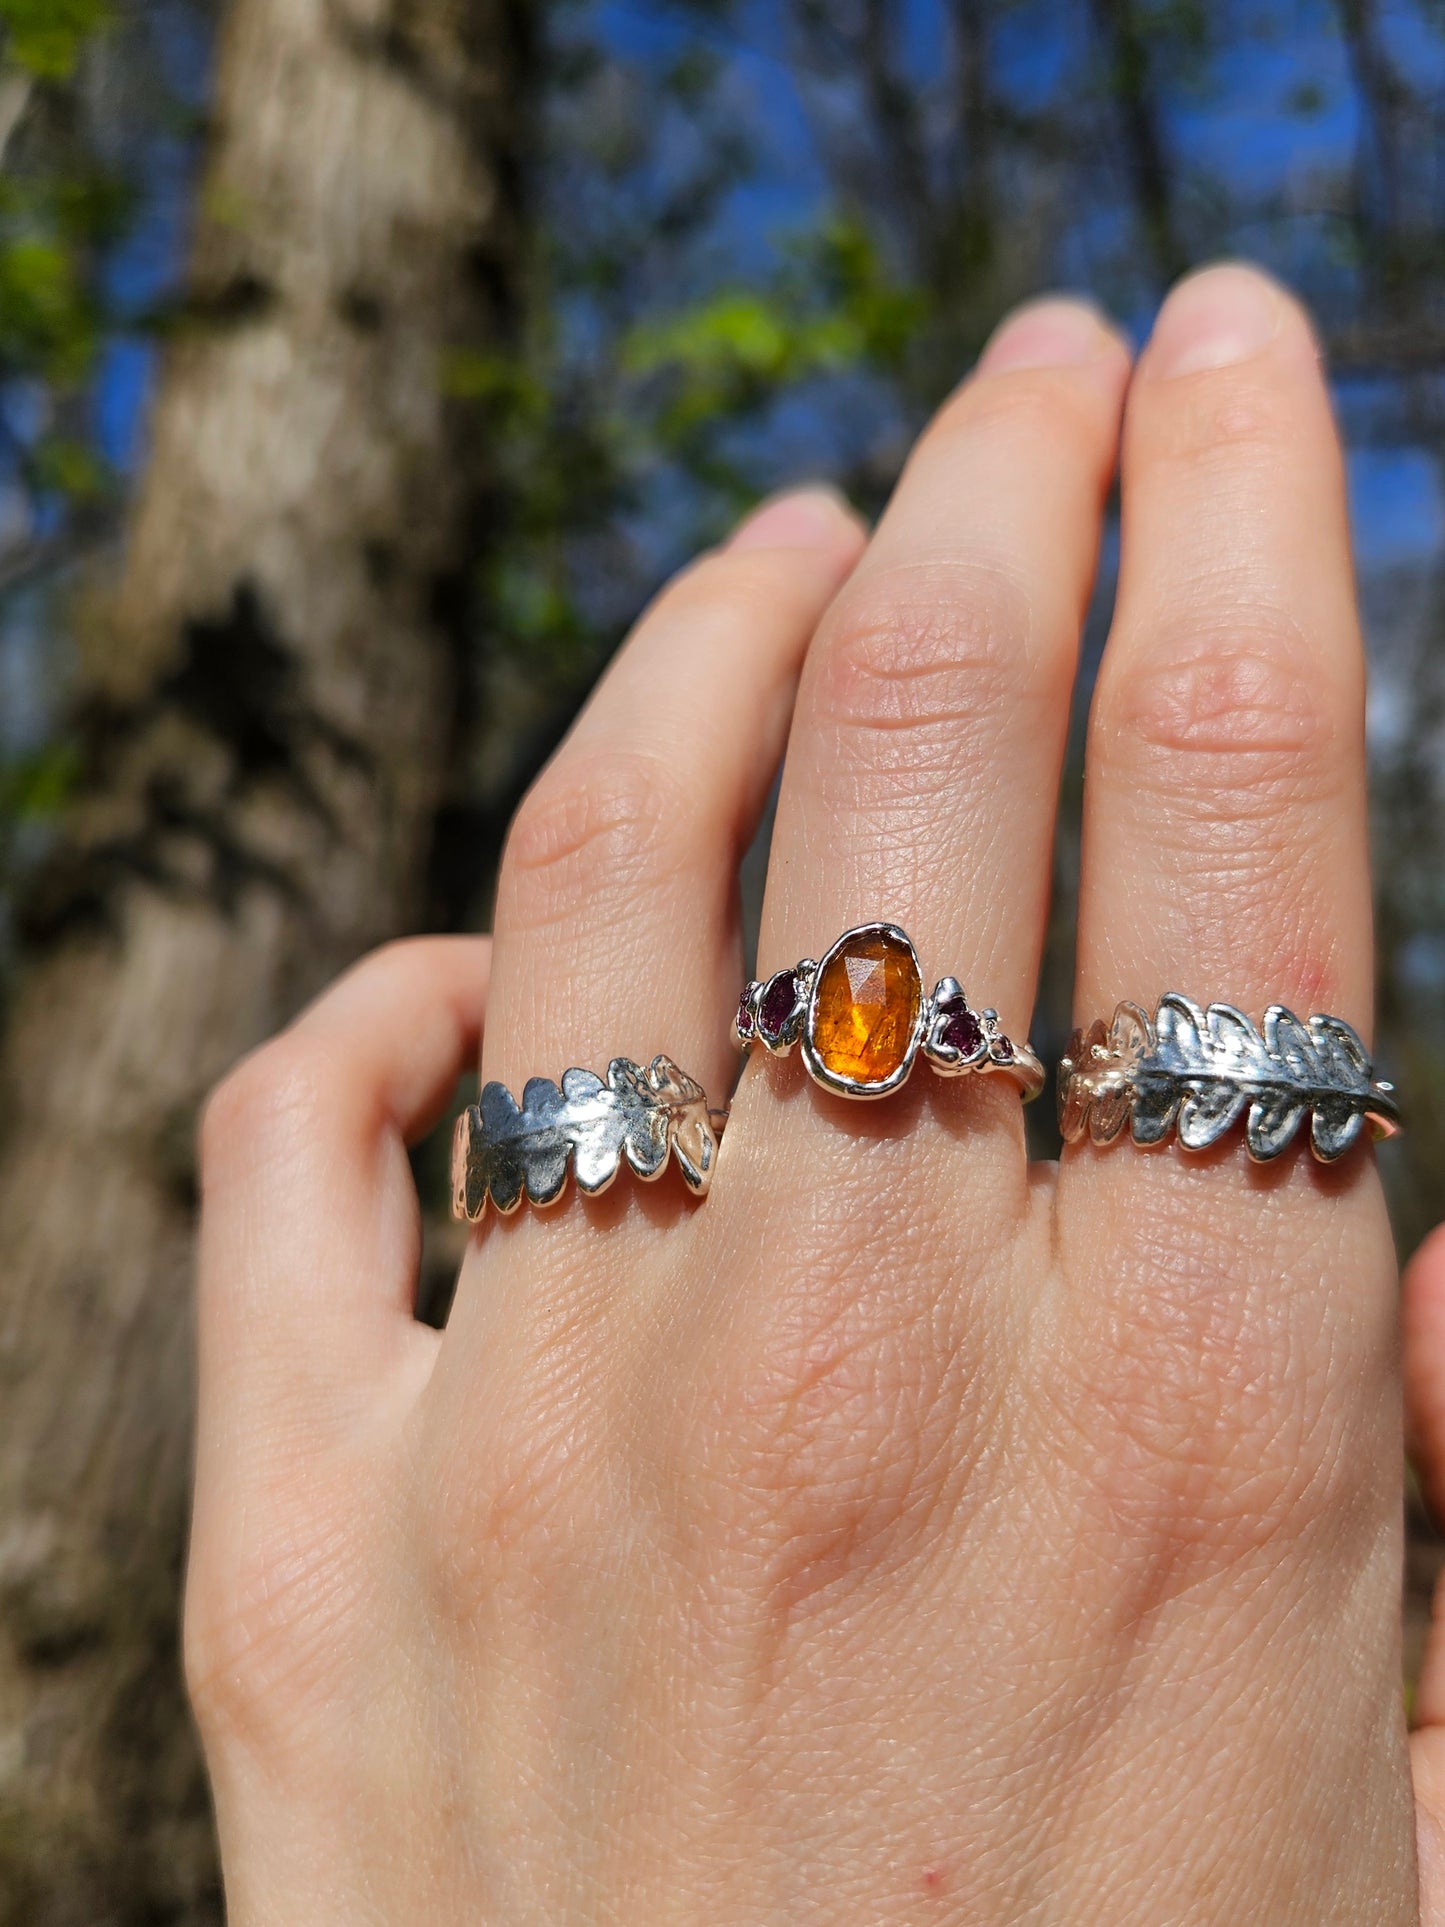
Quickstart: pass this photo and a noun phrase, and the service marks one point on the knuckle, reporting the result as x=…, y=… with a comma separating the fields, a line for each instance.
x=924, y=655
x=621, y=820
x=1207, y=1414
x=1257, y=694
x=264, y=1638
x=494, y=1521
x=1037, y=405
x=1230, y=421
x=271, y=1097
x=832, y=1441
x=215, y=1656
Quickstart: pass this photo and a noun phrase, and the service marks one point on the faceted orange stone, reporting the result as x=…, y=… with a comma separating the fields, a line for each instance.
x=866, y=1011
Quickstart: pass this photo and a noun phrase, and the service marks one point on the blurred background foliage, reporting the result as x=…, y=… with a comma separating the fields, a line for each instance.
x=757, y=242
x=764, y=240
x=100, y=114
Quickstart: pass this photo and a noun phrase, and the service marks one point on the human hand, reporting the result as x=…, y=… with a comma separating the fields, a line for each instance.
x=905, y=1533
x=1424, y=1360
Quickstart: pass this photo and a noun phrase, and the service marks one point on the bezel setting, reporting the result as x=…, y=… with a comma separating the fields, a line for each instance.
x=782, y=1005
x=949, y=1008
x=857, y=1087
x=939, y=1021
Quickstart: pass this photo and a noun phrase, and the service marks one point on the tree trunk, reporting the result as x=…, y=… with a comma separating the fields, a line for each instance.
x=268, y=707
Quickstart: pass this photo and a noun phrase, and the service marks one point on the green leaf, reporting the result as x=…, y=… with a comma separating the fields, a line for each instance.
x=832, y=307
x=36, y=786
x=47, y=324
x=503, y=381
x=67, y=467
x=730, y=332
x=45, y=37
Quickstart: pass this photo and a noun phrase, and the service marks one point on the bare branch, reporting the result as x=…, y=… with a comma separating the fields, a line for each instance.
x=1150, y=170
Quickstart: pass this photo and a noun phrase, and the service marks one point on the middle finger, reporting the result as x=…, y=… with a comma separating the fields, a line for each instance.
x=923, y=765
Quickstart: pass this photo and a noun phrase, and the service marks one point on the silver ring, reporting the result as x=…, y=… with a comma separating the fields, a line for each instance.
x=504, y=1151
x=1196, y=1071
x=861, y=1018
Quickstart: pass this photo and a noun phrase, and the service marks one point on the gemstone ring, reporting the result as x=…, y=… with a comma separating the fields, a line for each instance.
x=861, y=1018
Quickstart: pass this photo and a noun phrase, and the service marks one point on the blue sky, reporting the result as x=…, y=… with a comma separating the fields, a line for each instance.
x=1276, y=118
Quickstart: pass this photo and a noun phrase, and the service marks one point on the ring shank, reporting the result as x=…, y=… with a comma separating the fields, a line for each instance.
x=586, y=1126
x=1193, y=1073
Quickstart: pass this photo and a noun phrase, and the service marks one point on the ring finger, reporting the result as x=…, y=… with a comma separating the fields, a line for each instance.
x=1223, y=1368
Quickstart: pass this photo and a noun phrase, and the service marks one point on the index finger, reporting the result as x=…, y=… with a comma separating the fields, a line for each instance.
x=309, y=1234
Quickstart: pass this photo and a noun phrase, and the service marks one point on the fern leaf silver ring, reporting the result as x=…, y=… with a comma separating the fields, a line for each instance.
x=503, y=1151
x=1195, y=1072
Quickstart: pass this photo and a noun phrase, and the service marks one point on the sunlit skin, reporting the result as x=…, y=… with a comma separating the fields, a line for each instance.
x=903, y=1534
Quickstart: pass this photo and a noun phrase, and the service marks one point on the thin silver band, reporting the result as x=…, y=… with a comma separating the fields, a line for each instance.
x=1195, y=1071
x=504, y=1151
x=784, y=1009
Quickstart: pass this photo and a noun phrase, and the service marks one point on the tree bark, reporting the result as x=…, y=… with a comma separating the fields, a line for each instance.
x=268, y=700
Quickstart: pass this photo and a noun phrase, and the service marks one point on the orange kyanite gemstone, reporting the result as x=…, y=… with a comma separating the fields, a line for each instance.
x=868, y=997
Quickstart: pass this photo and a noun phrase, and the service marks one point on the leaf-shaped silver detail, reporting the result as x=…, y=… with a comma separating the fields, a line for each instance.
x=1156, y=1105
x=1108, y=1114
x=1130, y=1034
x=502, y=1178
x=1206, y=1112
x=1290, y=1044
x=1273, y=1121
x=462, y=1132
x=1096, y=1076
x=1196, y=1070
x=694, y=1140
x=1072, y=1092
x=1179, y=1029
x=1336, y=1124
x=502, y=1150
x=1235, y=1043
x=1152, y=1106
x=1341, y=1052
x=639, y=1125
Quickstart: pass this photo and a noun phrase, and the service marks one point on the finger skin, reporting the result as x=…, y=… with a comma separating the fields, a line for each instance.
x=1424, y=1320
x=617, y=928
x=812, y=1580
x=1225, y=857
x=617, y=915
x=1427, y=1761
x=1225, y=849
x=309, y=1234
x=308, y=1249
x=1234, y=1319
x=1423, y=1312
x=923, y=765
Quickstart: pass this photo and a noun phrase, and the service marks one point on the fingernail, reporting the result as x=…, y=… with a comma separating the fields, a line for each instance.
x=804, y=518
x=1045, y=334
x=1215, y=318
